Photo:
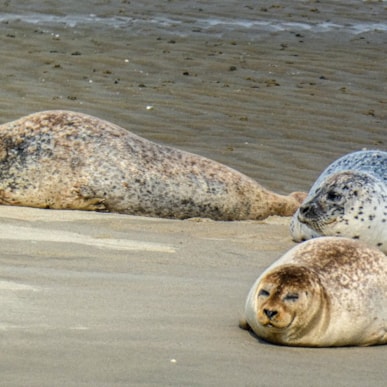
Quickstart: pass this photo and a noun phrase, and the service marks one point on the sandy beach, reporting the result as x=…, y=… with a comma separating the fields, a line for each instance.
x=276, y=90
x=101, y=299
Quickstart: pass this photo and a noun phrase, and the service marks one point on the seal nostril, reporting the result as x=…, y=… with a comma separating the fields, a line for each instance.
x=270, y=313
x=304, y=209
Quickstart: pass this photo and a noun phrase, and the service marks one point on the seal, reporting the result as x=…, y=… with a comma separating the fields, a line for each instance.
x=325, y=292
x=69, y=160
x=348, y=199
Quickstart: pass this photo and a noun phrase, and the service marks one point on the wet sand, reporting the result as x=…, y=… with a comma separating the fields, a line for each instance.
x=101, y=299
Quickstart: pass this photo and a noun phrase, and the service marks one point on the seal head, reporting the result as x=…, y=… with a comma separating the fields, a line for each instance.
x=350, y=203
x=290, y=302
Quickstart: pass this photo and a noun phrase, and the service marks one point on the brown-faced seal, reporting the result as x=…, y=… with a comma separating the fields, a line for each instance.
x=325, y=292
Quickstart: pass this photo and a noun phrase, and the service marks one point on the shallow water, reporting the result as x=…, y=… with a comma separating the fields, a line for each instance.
x=182, y=25
x=275, y=91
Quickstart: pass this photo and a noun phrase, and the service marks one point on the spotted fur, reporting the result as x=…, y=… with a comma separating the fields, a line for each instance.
x=348, y=199
x=324, y=292
x=68, y=160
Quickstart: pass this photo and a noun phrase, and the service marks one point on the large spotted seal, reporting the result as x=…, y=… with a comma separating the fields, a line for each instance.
x=324, y=292
x=348, y=199
x=68, y=160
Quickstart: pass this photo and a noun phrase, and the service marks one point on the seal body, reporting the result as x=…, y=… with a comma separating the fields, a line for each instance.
x=324, y=292
x=68, y=160
x=348, y=199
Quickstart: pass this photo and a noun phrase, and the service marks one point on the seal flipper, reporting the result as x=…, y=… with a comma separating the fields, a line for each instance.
x=243, y=324
x=86, y=199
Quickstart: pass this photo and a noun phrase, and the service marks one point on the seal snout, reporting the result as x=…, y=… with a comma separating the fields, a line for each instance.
x=270, y=313
x=307, y=210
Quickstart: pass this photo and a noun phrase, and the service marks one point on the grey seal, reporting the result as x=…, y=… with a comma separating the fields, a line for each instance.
x=348, y=199
x=68, y=160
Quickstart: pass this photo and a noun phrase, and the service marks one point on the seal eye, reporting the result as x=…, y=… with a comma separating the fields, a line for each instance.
x=291, y=297
x=263, y=293
x=333, y=196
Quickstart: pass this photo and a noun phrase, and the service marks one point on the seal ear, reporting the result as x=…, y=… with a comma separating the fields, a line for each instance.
x=243, y=324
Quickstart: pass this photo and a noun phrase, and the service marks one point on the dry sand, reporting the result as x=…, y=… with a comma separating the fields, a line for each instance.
x=101, y=299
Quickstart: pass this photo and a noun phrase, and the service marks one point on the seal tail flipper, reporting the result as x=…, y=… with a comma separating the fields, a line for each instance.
x=299, y=196
x=287, y=205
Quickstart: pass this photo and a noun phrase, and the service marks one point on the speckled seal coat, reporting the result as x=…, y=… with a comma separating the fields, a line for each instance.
x=324, y=292
x=68, y=160
x=348, y=199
